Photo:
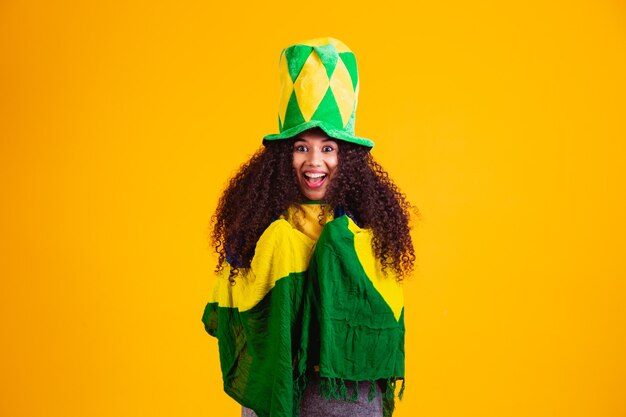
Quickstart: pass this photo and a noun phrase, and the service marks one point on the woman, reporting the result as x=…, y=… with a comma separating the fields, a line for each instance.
x=313, y=243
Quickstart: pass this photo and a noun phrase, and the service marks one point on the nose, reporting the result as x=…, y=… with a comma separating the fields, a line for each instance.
x=314, y=158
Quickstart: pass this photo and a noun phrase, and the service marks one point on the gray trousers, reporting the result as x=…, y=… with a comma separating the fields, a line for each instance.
x=314, y=405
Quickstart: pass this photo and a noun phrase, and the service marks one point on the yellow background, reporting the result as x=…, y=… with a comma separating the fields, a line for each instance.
x=503, y=122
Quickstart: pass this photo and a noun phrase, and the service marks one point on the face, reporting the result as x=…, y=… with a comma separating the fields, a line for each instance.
x=314, y=162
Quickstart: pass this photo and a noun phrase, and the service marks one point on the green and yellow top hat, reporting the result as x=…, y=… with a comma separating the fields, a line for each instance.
x=319, y=87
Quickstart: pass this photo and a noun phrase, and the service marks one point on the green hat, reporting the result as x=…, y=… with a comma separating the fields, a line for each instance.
x=319, y=87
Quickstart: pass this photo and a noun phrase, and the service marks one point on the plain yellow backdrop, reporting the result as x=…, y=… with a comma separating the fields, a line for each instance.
x=503, y=122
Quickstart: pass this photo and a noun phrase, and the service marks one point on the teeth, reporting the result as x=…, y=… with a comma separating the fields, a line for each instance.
x=314, y=175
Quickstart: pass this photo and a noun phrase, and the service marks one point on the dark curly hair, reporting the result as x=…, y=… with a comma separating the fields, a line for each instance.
x=265, y=186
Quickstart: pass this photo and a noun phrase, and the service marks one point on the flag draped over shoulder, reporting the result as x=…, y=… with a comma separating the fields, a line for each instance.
x=307, y=303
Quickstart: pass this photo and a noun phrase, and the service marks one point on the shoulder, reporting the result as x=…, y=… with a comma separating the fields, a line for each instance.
x=281, y=247
x=280, y=252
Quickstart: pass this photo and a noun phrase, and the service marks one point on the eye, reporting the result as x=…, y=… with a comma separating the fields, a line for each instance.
x=300, y=148
x=327, y=148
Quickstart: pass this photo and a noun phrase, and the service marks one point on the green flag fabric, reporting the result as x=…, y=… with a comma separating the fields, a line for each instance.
x=313, y=300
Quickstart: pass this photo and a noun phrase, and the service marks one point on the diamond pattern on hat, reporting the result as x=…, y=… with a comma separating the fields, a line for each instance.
x=296, y=57
x=349, y=60
x=286, y=88
x=329, y=111
x=311, y=86
x=341, y=85
x=293, y=116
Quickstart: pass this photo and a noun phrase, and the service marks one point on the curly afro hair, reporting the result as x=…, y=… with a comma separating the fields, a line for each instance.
x=265, y=186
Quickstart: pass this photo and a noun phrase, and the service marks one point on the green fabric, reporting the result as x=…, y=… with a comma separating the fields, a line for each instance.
x=296, y=57
x=329, y=316
x=255, y=348
x=348, y=328
x=358, y=336
x=293, y=116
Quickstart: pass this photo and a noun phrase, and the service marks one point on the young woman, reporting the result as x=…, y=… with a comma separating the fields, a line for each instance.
x=313, y=243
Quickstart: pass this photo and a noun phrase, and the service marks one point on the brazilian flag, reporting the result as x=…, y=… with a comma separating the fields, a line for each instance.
x=314, y=297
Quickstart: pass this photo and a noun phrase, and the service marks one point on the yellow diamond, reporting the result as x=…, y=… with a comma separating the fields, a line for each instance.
x=311, y=86
x=341, y=84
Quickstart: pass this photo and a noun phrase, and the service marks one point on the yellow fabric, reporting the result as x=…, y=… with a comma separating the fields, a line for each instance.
x=311, y=85
x=280, y=251
x=388, y=286
x=306, y=219
x=285, y=247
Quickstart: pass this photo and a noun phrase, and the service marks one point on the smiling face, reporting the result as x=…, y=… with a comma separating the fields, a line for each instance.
x=314, y=162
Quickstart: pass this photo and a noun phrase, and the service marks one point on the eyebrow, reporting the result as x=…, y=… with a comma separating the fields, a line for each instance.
x=297, y=138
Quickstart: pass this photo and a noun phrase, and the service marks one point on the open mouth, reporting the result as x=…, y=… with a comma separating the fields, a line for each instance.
x=314, y=179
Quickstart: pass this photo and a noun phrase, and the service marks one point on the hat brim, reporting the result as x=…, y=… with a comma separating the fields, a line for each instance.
x=329, y=130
